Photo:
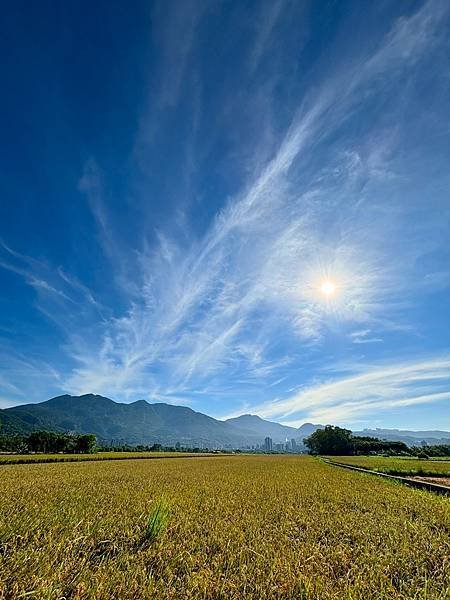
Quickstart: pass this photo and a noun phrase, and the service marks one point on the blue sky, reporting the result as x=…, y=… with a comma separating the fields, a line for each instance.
x=178, y=180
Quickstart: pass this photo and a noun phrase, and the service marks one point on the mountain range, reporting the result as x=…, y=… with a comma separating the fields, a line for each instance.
x=143, y=423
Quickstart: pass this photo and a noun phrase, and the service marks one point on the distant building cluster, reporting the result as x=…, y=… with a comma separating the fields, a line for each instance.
x=292, y=446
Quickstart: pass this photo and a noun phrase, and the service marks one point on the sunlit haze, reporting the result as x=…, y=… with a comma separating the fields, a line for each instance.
x=328, y=288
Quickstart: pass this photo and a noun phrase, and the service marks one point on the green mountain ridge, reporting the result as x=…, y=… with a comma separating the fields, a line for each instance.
x=136, y=423
x=142, y=422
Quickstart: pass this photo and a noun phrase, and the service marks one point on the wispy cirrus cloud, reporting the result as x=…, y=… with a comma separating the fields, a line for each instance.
x=32, y=271
x=49, y=282
x=260, y=263
x=232, y=308
x=30, y=373
x=178, y=23
x=268, y=18
x=371, y=389
x=364, y=336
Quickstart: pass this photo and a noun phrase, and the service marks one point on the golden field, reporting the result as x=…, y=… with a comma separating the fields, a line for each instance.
x=11, y=459
x=396, y=465
x=239, y=527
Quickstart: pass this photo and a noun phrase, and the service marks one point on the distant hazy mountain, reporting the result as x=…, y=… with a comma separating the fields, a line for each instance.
x=262, y=428
x=409, y=437
x=308, y=428
x=144, y=423
x=278, y=432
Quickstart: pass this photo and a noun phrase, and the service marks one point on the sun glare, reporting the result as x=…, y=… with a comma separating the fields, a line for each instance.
x=328, y=288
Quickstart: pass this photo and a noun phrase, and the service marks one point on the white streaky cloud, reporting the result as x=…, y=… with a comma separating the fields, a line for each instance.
x=278, y=381
x=362, y=333
x=30, y=372
x=361, y=395
x=265, y=24
x=7, y=386
x=368, y=341
x=363, y=337
x=73, y=282
x=350, y=411
x=410, y=37
x=180, y=23
x=202, y=312
x=38, y=283
x=260, y=264
x=32, y=262
x=52, y=285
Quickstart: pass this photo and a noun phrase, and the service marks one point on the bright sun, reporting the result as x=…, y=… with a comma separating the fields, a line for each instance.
x=328, y=288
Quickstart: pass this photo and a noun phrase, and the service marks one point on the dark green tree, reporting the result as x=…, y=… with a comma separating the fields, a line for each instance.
x=331, y=440
x=45, y=441
x=85, y=444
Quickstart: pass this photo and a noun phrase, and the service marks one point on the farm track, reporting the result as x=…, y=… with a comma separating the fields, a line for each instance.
x=409, y=481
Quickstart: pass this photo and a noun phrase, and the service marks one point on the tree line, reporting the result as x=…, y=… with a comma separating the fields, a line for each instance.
x=329, y=441
x=156, y=447
x=49, y=442
x=438, y=450
x=337, y=441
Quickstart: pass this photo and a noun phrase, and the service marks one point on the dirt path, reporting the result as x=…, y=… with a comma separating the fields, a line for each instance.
x=439, y=480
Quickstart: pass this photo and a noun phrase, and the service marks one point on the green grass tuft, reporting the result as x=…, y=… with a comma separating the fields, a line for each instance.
x=157, y=521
